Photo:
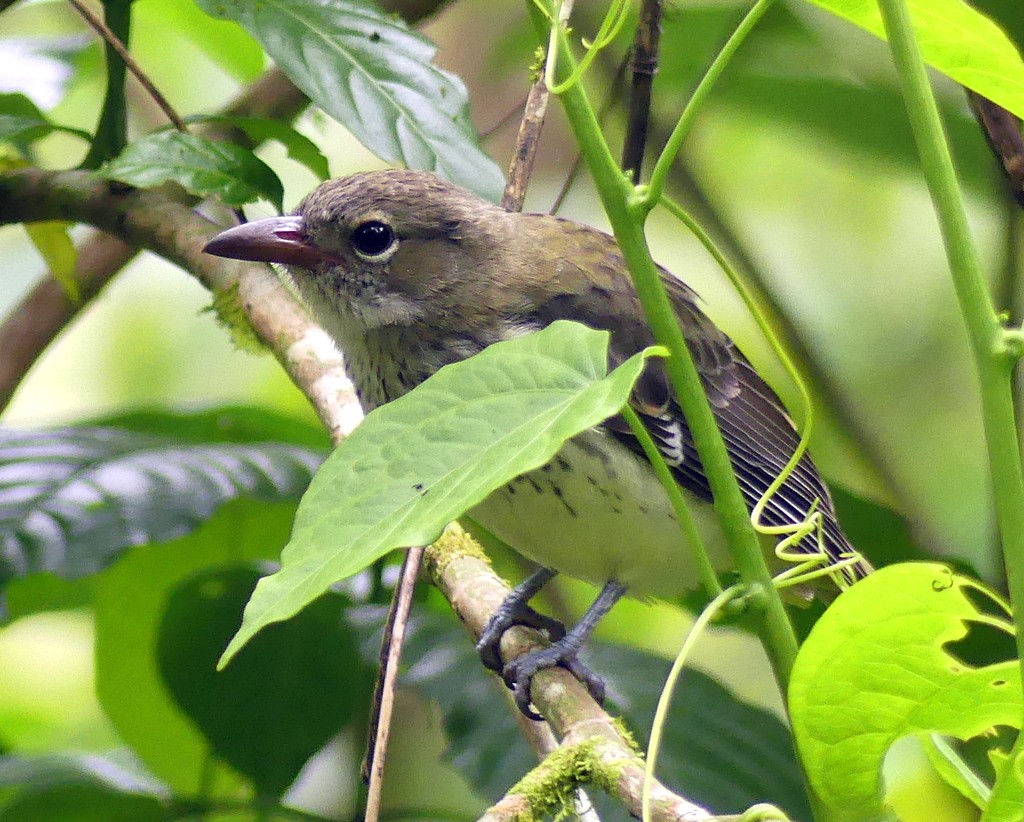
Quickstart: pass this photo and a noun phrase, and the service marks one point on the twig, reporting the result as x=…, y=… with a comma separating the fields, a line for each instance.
x=521, y=166
x=115, y=43
x=384, y=693
x=505, y=119
x=644, y=67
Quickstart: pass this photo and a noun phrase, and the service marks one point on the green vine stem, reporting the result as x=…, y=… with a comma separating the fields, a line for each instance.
x=656, y=186
x=626, y=208
x=993, y=359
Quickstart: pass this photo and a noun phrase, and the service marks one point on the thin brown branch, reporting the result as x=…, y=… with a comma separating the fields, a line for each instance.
x=382, y=706
x=505, y=119
x=644, y=65
x=115, y=43
x=521, y=166
x=460, y=570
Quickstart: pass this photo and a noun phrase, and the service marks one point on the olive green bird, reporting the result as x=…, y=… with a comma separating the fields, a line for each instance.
x=409, y=273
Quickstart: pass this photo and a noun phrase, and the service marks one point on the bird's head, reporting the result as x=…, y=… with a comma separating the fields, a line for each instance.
x=384, y=248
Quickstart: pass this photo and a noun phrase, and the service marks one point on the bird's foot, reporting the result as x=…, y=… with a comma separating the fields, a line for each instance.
x=513, y=611
x=519, y=673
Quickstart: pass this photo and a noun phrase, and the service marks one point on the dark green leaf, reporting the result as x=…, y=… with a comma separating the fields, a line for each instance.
x=282, y=698
x=202, y=167
x=22, y=122
x=73, y=499
x=372, y=74
x=129, y=603
x=419, y=462
x=880, y=534
x=260, y=129
x=112, y=129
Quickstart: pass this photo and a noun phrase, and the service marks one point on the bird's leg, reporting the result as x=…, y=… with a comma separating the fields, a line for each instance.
x=518, y=674
x=515, y=610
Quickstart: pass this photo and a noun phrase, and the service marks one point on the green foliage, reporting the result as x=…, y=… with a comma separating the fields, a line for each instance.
x=282, y=698
x=79, y=788
x=373, y=75
x=22, y=123
x=878, y=666
x=418, y=463
x=261, y=129
x=53, y=243
x=200, y=166
x=130, y=602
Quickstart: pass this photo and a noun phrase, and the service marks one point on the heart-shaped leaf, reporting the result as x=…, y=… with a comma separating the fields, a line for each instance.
x=421, y=461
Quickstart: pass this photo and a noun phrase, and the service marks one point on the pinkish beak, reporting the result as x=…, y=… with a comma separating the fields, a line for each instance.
x=271, y=240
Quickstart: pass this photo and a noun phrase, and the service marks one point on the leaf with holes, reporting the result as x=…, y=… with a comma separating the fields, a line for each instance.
x=880, y=665
x=419, y=462
x=73, y=499
x=373, y=75
x=200, y=166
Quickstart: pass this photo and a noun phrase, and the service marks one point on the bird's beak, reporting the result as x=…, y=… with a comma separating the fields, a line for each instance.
x=271, y=240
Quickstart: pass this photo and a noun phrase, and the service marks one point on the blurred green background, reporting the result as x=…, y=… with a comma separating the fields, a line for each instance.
x=802, y=165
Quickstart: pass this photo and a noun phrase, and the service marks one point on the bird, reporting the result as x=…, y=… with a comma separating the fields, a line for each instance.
x=409, y=273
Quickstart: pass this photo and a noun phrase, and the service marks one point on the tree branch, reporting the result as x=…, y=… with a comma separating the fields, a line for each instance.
x=152, y=220
x=463, y=574
x=44, y=313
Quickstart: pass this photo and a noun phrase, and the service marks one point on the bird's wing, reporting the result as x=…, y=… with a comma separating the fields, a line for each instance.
x=758, y=433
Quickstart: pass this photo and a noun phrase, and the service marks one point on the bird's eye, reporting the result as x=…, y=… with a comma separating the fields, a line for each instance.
x=372, y=239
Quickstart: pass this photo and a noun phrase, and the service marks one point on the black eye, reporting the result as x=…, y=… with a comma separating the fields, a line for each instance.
x=373, y=238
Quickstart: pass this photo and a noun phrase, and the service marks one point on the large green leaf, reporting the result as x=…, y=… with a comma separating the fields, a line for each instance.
x=372, y=74
x=417, y=463
x=73, y=499
x=200, y=166
x=955, y=39
x=282, y=698
x=130, y=602
x=878, y=666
